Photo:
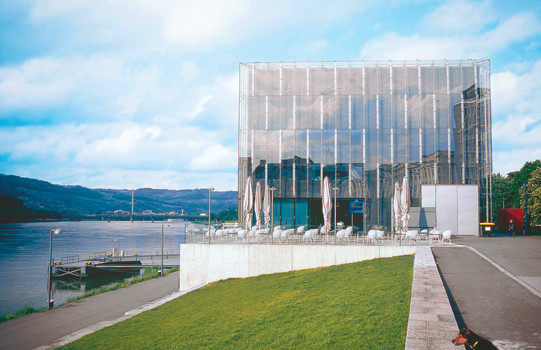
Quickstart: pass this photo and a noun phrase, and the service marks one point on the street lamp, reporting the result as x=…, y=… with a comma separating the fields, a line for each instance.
x=272, y=213
x=117, y=247
x=210, y=190
x=161, y=271
x=55, y=231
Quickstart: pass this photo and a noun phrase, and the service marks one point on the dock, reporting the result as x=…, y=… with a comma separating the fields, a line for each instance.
x=102, y=264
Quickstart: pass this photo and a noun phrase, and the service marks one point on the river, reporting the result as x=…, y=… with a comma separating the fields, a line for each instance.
x=24, y=253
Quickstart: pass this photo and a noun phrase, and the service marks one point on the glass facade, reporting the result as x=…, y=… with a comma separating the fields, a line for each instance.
x=365, y=125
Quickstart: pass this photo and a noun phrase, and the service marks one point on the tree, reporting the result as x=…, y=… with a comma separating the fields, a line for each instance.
x=531, y=197
x=518, y=179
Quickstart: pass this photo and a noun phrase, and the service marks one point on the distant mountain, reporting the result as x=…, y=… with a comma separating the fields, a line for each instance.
x=78, y=200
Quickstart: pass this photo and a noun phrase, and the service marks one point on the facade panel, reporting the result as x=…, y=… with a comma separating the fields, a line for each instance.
x=365, y=125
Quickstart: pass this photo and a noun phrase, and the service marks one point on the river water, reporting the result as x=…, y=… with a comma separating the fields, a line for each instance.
x=24, y=253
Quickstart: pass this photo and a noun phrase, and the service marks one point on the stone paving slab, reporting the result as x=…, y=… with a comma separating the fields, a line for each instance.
x=431, y=323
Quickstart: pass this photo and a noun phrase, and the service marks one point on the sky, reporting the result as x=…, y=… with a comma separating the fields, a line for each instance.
x=129, y=94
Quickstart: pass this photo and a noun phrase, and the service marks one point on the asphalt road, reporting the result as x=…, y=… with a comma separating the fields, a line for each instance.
x=488, y=301
x=44, y=328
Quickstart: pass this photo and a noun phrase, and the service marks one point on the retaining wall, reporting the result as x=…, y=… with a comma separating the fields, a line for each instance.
x=205, y=263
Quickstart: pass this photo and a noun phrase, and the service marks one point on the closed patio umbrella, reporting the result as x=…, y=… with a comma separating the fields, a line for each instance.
x=397, y=216
x=248, y=203
x=257, y=205
x=267, y=206
x=405, y=204
x=327, y=205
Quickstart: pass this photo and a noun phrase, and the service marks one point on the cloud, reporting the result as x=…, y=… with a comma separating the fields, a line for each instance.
x=516, y=115
x=462, y=16
x=515, y=29
x=215, y=157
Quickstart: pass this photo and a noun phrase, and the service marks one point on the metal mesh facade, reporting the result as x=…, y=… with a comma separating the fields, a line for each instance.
x=365, y=125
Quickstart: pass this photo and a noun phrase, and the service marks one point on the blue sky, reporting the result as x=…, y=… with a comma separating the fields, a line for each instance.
x=131, y=94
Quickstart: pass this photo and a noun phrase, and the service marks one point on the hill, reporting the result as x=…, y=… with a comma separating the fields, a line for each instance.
x=73, y=201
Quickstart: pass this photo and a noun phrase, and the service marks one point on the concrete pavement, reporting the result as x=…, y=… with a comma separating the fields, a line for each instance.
x=495, y=287
x=46, y=328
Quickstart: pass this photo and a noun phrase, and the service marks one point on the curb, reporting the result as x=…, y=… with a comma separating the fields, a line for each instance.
x=431, y=323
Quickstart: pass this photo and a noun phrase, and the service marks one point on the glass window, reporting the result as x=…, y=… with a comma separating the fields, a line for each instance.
x=342, y=113
x=343, y=146
x=308, y=112
x=357, y=112
x=329, y=112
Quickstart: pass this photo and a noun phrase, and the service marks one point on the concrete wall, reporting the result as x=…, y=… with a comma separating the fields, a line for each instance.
x=205, y=263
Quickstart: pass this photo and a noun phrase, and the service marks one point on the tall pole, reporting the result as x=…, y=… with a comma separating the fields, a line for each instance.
x=210, y=190
x=50, y=272
x=272, y=213
x=50, y=269
x=131, y=214
x=335, y=189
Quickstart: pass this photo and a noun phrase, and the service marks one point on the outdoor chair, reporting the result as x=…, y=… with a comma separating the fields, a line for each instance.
x=339, y=236
x=286, y=233
x=276, y=234
x=261, y=233
x=310, y=235
x=412, y=235
x=434, y=234
x=300, y=230
x=343, y=235
x=219, y=233
x=380, y=234
x=241, y=234
x=371, y=236
x=446, y=235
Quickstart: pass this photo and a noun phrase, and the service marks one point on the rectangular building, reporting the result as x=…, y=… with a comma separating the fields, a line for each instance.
x=364, y=125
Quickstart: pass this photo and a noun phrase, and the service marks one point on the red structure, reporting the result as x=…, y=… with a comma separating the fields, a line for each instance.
x=506, y=214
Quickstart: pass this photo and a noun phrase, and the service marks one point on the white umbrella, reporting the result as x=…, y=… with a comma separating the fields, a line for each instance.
x=396, y=208
x=267, y=206
x=327, y=205
x=248, y=203
x=257, y=205
x=405, y=204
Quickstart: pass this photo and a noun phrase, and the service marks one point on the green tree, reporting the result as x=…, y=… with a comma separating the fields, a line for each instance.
x=228, y=215
x=517, y=180
x=531, y=197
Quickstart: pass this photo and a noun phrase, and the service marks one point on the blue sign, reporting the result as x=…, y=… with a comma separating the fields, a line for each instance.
x=356, y=207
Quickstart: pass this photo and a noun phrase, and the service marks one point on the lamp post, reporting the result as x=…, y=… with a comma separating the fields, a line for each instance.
x=272, y=213
x=55, y=231
x=335, y=189
x=117, y=247
x=210, y=190
x=161, y=271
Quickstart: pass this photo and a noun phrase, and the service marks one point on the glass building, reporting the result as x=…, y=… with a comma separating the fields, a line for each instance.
x=365, y=125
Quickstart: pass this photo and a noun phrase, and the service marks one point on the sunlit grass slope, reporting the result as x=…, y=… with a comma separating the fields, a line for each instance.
x=355, y=306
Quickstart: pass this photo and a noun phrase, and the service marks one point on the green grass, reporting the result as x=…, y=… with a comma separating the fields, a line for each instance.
x=26, y=311
x=355, y=306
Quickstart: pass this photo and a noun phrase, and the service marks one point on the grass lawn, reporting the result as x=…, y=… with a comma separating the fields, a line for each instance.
x=355, y=306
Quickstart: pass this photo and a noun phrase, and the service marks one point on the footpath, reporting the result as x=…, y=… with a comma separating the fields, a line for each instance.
x=49, y=329
x=494, y=285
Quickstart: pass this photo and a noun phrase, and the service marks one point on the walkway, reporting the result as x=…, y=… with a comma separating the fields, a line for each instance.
x=45, y=329
x=499, y=299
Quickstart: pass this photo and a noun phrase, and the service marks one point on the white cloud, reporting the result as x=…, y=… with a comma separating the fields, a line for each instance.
x=462, y=16
x=469, y=45
x=516, y=115
x=215, y=157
